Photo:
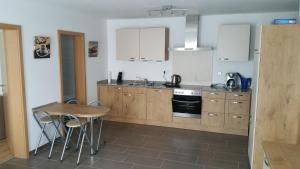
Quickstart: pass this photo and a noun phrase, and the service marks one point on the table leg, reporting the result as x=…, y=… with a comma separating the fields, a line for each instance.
x=92, y=134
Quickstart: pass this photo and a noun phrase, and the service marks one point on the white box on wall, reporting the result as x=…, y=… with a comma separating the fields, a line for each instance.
x=233, y=43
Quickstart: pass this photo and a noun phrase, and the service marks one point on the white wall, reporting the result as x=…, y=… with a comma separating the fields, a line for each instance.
x=42, y=83
x=208, y=37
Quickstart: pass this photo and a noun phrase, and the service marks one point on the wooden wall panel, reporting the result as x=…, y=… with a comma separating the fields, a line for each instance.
x=278, y=101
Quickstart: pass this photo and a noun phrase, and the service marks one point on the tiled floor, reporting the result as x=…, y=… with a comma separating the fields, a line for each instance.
x=131, y=146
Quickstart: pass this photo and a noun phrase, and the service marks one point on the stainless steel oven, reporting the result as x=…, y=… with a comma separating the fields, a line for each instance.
x=187, y=103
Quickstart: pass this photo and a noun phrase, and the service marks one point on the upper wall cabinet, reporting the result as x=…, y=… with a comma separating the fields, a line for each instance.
x=128, y=42
x=147, y=44
x=154, y=44
x=233, y=43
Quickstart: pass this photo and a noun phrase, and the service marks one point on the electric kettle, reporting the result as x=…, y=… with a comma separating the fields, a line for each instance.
x=176, y=79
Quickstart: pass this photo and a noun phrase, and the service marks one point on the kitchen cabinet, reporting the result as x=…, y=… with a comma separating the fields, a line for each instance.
x=212, y=119
x=236, y=121
x=111, y=96
x=154, y=44
x=213, y=108
x=127, y=44
x=278, y=90
x=134, y=103
x=233, y=43
x=146, y=44
x=159, y=105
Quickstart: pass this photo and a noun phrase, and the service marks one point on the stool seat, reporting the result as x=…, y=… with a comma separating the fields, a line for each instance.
x=75, y=123
x=45, y=120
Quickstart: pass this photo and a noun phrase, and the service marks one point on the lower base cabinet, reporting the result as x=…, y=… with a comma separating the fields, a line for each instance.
x=221, y=112
x=159, y=105
x=134, y=104
x=212, y=119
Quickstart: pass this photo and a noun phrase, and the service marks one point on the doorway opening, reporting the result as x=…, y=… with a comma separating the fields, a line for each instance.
x=13, y=138
x=72, y=66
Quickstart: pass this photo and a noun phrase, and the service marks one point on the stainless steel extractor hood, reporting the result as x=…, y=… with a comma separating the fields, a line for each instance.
x=192, y=35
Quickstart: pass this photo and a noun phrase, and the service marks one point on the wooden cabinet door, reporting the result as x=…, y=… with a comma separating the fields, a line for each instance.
x=103, y=95
x=231, y=36
x=238, y=107
x=159, y=105
x=153, y=44
x=134, y=105
x=213, y=105
x=237, y=121
x=212, y=119
x=127, y=45
x=116, y=100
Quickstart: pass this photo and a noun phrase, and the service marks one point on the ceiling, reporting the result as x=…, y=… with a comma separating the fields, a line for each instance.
x=139, y=8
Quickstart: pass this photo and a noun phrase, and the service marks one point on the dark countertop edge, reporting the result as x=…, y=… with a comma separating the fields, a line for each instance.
x=160, y=86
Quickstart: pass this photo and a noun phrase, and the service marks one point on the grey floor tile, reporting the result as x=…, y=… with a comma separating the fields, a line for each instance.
x=177, y=165
x=111, y=155
x=146, y=161
x=110, y=164
x=143, y=152
x=136, y=166
x=133, y=146
x=178, y=157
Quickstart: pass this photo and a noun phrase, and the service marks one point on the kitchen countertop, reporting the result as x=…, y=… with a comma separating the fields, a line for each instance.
x=282, y=156
x=159, y=85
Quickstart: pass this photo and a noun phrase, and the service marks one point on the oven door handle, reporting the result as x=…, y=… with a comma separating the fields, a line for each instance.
x=186, y=101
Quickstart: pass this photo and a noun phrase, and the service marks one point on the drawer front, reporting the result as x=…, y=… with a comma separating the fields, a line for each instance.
x=238, y=107
x=137, y=90
x=236, y=121
x=213, y=105
x=116, y=89
x=213, y=95
x=238, y=95
x=212, y=119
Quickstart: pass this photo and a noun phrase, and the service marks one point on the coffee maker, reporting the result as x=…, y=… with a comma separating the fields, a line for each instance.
x=232, y=80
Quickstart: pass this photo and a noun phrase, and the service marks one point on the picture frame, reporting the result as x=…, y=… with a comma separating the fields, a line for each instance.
x=41, y=47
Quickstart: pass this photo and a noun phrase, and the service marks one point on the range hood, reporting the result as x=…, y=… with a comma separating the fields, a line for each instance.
x=192, y=35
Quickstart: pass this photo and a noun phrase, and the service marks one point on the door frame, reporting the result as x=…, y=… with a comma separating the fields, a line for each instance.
x=16, y=135
x=80, y=68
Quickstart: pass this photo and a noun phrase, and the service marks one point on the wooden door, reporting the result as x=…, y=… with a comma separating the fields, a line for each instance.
x=278, y=110
x=14, y=93
x=153, y=44
x=79, y=64
x=159, y=105
x=127, y=44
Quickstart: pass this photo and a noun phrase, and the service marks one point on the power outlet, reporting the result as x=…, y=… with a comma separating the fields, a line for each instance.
x=220, y=73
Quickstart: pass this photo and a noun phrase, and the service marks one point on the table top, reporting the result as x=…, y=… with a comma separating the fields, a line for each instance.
x=83, y=111
x=282, y=156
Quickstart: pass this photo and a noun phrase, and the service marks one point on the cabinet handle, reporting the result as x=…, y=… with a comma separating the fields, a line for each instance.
x=267, y=163
x=237, y=117
x=236, y=102
x=212, y=114
x=143, y=58
x=157, y=90
x=237, y=95
x=213, y=93
x=214, y=100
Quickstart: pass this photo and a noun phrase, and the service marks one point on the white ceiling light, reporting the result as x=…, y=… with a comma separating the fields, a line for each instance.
x=167, y=10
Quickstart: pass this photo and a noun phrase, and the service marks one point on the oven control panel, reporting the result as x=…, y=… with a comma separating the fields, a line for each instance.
x=186, y=92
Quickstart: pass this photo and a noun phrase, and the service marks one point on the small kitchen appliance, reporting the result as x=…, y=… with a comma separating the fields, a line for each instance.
x=245, y=83
x=176, y=79
x=232, y=80
x=120, y=78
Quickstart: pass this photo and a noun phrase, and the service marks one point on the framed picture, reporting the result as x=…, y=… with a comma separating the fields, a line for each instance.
x=93, y=49
x=41, y=47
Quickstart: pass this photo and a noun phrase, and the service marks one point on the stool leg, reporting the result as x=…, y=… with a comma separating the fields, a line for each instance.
x=65, y=145
x=100, y=130
x=53, y=141
x=79, y=154
x=38, y=143
x=78, y=140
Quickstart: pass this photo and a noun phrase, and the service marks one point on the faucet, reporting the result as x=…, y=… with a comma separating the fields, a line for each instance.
x=144, y=79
